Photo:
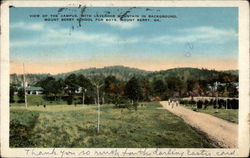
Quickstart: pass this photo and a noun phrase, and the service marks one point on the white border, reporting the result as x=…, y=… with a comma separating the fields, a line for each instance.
x=243, y=147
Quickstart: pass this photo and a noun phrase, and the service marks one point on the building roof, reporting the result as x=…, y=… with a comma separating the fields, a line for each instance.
x=32, y=88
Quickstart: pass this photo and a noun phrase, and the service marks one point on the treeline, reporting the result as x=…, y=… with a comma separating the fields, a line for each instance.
x=126, y=73
x=78, y=89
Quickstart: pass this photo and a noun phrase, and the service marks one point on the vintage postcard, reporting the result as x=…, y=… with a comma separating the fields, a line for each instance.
x=124, y=79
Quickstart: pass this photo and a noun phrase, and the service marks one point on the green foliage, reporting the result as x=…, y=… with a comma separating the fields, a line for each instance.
x=120, y=72
x=21, y=124
x=71, y=84
x=82, y=81
x=117, y=82
x=69, y=126
x=12, y=91
x=133, y=90
x=114, y=90
x=232, y=91
x=51, y=86
x=21, y=95
x=70, y=99
x=30, y=78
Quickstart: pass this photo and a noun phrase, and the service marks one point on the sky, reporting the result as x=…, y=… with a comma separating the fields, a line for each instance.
x=200, y=37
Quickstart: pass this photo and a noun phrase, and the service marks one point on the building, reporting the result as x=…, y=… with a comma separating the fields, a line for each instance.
x=34, y=90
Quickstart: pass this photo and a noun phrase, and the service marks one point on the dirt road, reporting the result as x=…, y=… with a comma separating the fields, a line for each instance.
x=222, y=133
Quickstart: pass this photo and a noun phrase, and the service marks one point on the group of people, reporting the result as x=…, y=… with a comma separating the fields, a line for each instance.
x=173, y=103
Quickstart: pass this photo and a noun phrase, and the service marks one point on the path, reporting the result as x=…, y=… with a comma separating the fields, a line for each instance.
x=221, y=132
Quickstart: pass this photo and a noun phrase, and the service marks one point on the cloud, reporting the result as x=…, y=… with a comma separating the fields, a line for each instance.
x=81, y=36
x=28, y=26
x=61, y=36
x=123, y=24
x=203, y=34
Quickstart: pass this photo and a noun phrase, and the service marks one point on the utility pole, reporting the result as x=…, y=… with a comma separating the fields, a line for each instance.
x=24, y=87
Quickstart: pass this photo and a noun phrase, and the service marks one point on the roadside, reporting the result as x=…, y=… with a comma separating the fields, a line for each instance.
x=222, y=132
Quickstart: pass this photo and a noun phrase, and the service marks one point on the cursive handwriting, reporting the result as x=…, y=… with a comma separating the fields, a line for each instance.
x=128, y=152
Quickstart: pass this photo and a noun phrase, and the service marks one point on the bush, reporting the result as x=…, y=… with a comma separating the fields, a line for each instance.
x=121, y=102
x=221, y=103
x=21, y=125
x=21, y=95
x=135, y=105
x=70, y=100
x=199, y=104
x=19, y=135
x=235, y=104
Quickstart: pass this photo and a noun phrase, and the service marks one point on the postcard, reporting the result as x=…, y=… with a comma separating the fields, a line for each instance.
x=124, y=79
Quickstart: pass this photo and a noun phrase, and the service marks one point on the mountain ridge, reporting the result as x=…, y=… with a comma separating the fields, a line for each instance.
x=125, y=73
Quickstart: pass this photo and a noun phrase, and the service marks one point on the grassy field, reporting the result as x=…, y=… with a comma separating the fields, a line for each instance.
x=226, y=114
x=37, y=100
x=68, y=126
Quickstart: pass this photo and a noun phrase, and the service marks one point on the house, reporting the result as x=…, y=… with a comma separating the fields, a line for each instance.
x=34, y=90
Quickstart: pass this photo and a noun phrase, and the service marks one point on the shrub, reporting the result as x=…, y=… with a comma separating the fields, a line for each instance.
x=21, y=125
x=199, y=104
x=69, y=100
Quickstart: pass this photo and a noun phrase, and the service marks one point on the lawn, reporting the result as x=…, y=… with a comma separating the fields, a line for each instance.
x=69, y=126
x=226, y=114
x=37, y=100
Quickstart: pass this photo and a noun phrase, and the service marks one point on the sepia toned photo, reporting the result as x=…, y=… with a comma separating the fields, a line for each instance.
x=158, y=80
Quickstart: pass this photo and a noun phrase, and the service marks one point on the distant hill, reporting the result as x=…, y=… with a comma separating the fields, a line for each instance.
x=120, y=72
x=192, y=74
x=126, y=73
x=233, y=72
x=30, y=78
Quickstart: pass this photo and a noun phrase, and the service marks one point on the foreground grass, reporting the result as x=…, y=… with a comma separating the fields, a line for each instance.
x=226, y=114
x=68, y=126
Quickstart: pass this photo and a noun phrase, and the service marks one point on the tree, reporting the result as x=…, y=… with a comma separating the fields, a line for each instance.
x=159, y=87
x=113, y=89
x=133, y=90
x=97, y=81
x=71, y=86
x=60, y=85
x=174, y=84
x=21, y=95
x=232, y=90
x=110, y=84
x=12, y=91
x=146, y=89
x=51, y=87
x=85, y=86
